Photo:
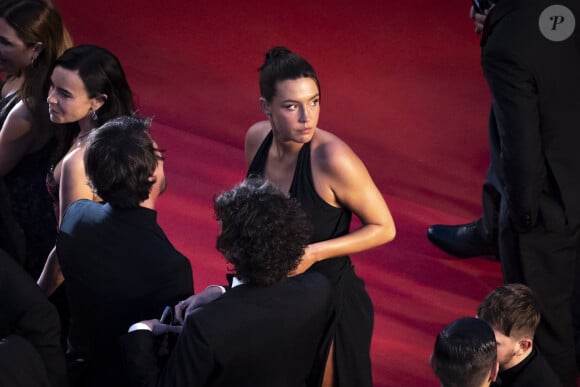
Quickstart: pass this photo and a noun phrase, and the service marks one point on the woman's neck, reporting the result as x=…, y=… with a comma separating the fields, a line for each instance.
x=12, y=85
x=86, y=125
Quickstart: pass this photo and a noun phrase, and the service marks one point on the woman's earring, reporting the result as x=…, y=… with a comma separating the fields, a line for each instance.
x=33, y=62
x=93, y=115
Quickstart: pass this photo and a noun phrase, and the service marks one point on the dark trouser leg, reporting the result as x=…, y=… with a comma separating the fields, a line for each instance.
x=490, y=200
x=545, y=261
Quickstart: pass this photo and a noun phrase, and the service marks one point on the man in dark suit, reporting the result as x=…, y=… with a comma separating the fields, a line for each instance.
x=513, y=313
x=30, y=351
x=118, y=264
x=268, y=329
x=530, y=58
x=465, y=354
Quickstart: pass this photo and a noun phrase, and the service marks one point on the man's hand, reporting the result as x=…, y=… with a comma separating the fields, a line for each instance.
x=183, y=308
x=478, y=19
x=158, y=328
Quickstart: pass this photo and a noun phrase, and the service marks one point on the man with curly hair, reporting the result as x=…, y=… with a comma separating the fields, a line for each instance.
x=269, y=328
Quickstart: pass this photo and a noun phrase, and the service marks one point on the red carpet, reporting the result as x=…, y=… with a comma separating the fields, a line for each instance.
x=401, y=84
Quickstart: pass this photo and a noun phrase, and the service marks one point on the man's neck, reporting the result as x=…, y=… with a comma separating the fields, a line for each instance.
x=518, y=359
x=149, y=202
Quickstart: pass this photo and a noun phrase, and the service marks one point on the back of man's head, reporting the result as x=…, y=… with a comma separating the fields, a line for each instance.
x=263, y=231
x=465, y=354
x=512, y=309
x=120, y=160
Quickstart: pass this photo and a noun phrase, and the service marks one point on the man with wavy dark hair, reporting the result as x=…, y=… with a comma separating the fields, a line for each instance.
x=268, y=329
x=118, y=263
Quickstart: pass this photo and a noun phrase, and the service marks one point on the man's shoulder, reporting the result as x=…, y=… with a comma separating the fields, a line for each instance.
x=535, y=372
x=312, y=281
x=80, y=209
x=540, y=373
x=81, y=206
x=312, y=288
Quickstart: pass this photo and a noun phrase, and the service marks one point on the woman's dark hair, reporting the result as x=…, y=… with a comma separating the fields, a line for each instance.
x=101, y=73
x=281, y=64
x=120, y=158
x=263, y=232
x=36, y=21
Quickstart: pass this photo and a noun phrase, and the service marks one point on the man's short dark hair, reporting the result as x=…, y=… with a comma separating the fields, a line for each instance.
x=511, y=309
x=465, y=352
x=263, y=231
x=120, y=158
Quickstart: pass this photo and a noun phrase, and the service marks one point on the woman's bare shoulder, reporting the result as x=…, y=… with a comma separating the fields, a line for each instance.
x=19, y=119
x=74, y=160
x=328, y=149
x=258, y=131
x=254, y=137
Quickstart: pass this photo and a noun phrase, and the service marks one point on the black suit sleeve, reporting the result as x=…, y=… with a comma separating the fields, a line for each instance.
x=190, y=363
x=139, y=358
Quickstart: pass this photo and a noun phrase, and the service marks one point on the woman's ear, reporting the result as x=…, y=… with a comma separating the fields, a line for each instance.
x=37, y=48
x=98, y=101
x=265, y=106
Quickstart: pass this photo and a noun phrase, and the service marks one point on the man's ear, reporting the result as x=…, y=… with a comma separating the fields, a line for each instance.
x=265, y=106
x=494, y=371
x=524, y=344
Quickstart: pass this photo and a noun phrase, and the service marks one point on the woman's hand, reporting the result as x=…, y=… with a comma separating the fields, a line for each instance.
x=306, y=261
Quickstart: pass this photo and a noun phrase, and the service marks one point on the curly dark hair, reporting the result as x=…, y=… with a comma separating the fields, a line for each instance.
x=263, y=231
x=120, y=158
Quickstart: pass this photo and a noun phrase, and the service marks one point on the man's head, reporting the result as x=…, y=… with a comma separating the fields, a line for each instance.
x=465, y=354
x=123, y=163
x=263, y=232
x=514, y=314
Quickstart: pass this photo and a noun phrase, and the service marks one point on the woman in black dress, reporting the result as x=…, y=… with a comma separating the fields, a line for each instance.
x=32, y=36
x=331, y=183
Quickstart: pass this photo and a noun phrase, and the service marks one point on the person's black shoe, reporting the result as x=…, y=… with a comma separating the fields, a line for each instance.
x=462, y=241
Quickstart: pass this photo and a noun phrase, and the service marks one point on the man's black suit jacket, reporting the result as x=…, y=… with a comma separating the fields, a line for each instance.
x=119, y=268
x=251, y=336
x=535, y=118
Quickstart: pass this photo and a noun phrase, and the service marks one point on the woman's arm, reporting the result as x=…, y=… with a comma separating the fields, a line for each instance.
x=51, y=277
x=74, y=184
x=16, y=138
x=342, y=179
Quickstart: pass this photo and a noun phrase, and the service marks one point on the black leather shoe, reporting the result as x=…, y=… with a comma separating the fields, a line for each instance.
x=462, y=241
